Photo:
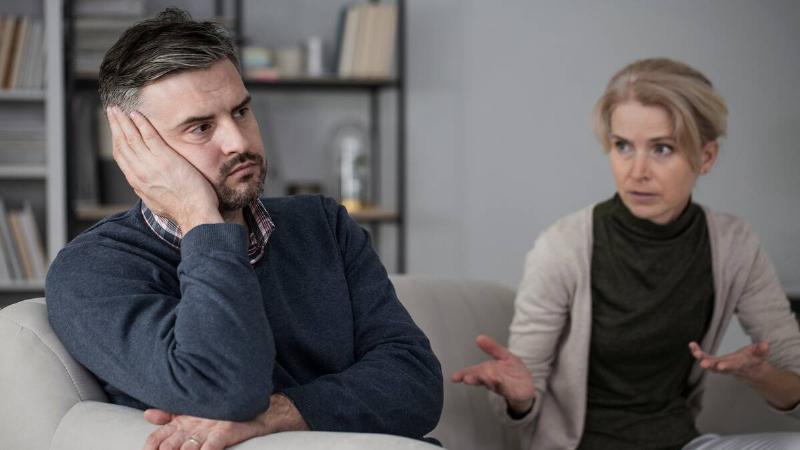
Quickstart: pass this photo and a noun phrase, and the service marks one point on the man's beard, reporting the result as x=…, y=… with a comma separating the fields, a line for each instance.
x=231, y=199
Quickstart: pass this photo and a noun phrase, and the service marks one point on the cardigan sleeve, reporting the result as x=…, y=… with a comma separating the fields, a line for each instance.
x=763, y=308
x=198, y=345
x=542, y=311
x=395, y=384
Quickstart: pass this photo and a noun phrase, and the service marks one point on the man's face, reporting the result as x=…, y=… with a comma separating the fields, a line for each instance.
x=205, y=115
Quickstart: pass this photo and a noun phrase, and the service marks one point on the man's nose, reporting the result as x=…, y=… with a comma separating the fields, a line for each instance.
x=232, y=138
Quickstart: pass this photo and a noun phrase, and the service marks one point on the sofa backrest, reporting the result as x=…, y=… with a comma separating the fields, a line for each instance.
x=39, y=381
x=453, y=313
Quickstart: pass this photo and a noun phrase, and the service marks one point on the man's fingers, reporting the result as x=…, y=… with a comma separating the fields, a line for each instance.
x=175, y=441
x=146, y=130
x=118, y=138
x=157, y=416
x=214, y=441
x=131, y=132
x=491, y=347
x=191, y=444
x=154, y=440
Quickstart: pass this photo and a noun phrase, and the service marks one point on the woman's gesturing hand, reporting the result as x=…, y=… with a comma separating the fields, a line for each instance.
x=504, y=374
x=749, y=363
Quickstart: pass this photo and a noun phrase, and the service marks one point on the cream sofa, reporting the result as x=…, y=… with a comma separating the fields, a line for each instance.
x=51, y=402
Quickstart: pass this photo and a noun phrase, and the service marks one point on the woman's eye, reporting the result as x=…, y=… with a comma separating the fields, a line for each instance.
x=621, y=146
x=662, y=150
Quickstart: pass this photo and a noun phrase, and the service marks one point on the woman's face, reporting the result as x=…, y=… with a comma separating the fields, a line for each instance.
x=653, y=174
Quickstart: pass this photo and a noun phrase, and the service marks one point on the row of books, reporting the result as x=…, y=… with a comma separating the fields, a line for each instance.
x=22, y=255
x=24, y=144
x=97, y=26
x=22, y=53
x=367, y=40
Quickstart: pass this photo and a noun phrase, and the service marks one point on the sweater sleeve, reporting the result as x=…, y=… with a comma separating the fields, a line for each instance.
x=395, y=385
x=206, y=351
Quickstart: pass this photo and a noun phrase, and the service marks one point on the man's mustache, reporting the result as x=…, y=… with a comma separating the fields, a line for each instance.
x=240, y=158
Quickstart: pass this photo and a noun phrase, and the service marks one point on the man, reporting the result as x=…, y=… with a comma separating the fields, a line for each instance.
x=229, y=316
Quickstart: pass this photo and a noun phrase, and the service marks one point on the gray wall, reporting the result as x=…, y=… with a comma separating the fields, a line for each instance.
x=500, y=144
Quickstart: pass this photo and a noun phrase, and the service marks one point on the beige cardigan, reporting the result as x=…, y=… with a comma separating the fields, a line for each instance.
x=551, y=327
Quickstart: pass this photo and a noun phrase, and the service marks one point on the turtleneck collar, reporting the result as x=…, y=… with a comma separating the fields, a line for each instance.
x=644, y=228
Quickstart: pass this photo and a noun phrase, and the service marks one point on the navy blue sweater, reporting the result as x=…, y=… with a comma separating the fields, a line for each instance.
x=202, y=332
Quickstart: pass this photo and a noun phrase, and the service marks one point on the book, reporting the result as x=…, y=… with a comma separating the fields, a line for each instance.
x=385, y=40
x=9, y=250
x=366, y=25
x=6, y=45
x=20, y=40
x=341, y=22
x=20, y=244
x=33, y=242
x=38, y=56
x=25, y=76
x=349, y=42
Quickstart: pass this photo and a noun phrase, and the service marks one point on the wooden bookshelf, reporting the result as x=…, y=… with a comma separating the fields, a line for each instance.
x=23, y=171
x=22, y=95
x=94, y=212
x=28, y=179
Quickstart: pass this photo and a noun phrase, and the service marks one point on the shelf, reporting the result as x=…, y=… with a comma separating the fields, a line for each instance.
x=22, y=171
x=22, y=286
x=375, y=215
x=89, y=81
x=22, y=95
x=90, y=212
x=323, y=83
x=93, y=212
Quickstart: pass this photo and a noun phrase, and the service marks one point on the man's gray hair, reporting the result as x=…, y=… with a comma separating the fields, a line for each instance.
x=169, y=43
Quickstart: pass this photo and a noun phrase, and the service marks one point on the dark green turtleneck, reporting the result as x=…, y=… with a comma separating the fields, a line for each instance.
x=652, y=293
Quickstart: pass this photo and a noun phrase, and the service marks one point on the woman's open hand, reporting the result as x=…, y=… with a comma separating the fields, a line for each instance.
x=749, y=363
x=504, y=374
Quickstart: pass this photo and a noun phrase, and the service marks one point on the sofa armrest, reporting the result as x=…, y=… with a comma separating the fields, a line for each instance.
x=103, y=426
x=39, y=380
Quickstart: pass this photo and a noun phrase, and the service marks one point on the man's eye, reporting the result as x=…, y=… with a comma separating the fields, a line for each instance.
x=241, y=112
x=662, y=150
x=200, y=129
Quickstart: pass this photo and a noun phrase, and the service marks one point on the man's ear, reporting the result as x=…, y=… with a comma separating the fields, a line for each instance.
x=708, y=156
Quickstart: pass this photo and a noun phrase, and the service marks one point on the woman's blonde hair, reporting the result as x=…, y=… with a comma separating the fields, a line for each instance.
x=698, y=113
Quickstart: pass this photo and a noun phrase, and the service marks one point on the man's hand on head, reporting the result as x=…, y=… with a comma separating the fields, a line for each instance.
x=181, y=432
x=167, y=183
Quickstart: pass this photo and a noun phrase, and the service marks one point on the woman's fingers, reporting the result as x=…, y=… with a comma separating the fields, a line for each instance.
x=492, y=348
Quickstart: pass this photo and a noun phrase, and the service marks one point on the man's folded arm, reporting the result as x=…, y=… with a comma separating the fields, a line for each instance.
x=200, y=344
x=395, y=386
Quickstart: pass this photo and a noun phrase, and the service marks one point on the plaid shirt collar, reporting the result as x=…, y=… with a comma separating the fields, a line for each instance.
x=255, y=215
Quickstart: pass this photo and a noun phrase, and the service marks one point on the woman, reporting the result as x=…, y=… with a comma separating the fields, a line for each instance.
x=623, y=303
